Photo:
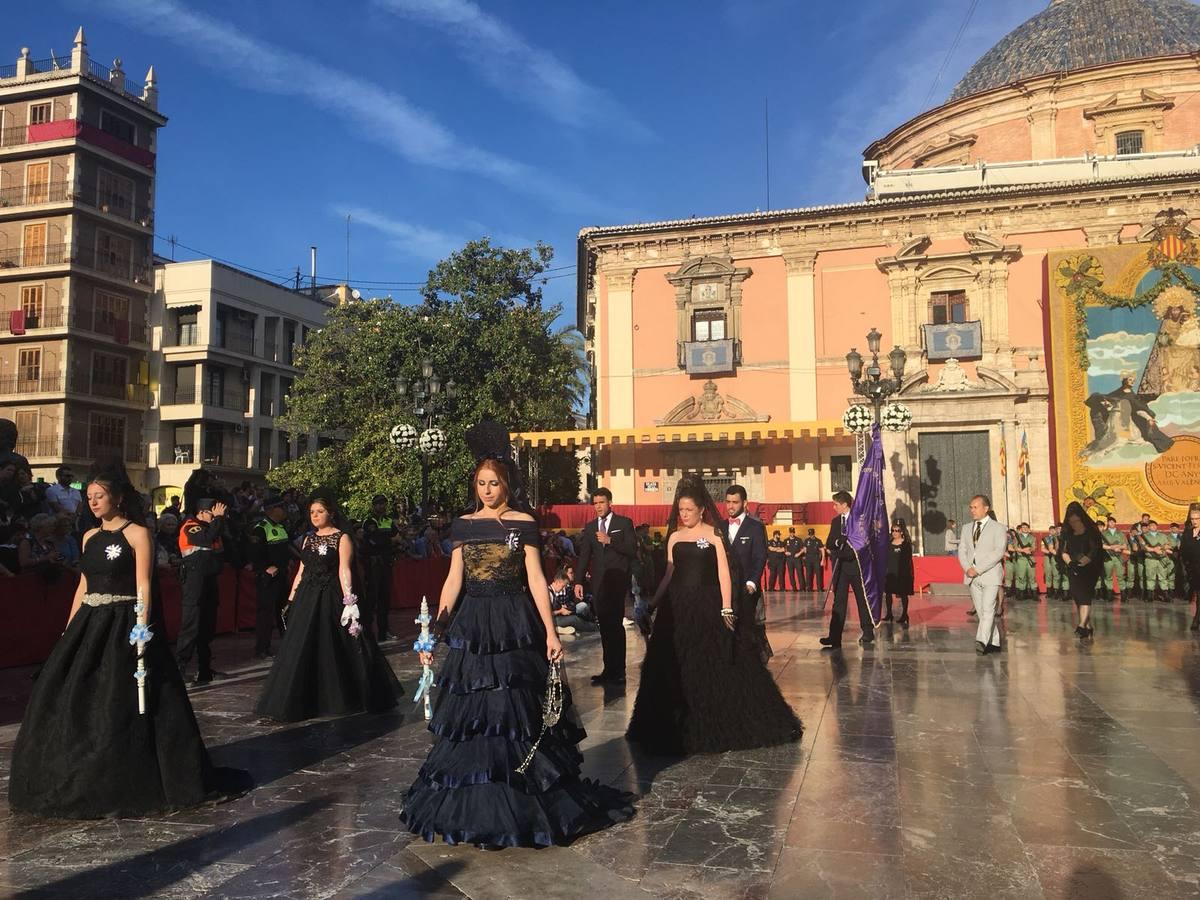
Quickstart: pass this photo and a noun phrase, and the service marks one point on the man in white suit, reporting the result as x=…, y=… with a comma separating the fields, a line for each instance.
x=981, y=549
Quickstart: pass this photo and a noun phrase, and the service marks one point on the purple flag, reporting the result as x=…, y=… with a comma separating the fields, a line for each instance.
x=867, y=529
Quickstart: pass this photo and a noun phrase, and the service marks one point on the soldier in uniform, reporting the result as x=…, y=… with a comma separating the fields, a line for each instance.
x=814, y=562
x=200, y=547
x=1137, y=557
x=792, y=548
x=1116, y=551
x=775, y=562
x=270, y=557
x=1051, y=570
x=1177, y=580
x=1157, y=565
x=380, y=533
x=1024, y=574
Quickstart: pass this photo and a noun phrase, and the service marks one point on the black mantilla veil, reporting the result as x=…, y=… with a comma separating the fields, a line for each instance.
x=692, y=487
x=1089, y=524
x=488, y=440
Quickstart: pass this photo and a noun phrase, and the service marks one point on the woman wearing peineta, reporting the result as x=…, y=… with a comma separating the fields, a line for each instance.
x=704, y=686
x=492, y=778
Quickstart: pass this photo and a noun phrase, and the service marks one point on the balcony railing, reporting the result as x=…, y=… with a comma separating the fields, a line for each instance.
x=122, y=330
x=16, y=385
x=34, y=194
x=239, y=342
x=37, y=255
x=69, y=129
x=47, y=318
x=46, y=445
x=183, y=396
x=131, y=393
x=183, y=336
x=79, y=445
x=116, y=204
x=112, y=264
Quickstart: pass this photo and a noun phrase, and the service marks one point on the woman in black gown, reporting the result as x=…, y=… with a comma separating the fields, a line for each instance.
x=487, y=715
x=327, y=664
x=84, y=751
x=704, y=686
x=899, y=580
x=1081, y=552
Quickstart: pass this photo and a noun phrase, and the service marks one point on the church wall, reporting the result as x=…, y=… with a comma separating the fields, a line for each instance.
x=653, y=320
x=851, y=297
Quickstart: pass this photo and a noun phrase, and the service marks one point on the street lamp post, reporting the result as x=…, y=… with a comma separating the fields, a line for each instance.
x=428, y=394
x=870, y=382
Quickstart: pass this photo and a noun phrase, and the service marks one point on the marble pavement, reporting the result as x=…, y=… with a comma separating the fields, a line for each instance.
x=1054, y=770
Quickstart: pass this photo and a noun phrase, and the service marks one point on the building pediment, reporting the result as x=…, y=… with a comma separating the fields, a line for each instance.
x=981, y=247
x=954, y=150
x=710, y=406
x=1144, y=100
x=706, y=267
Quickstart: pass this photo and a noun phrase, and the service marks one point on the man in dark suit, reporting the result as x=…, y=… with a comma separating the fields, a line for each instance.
x=747, y=538
x=846, y=577
x=607, y=550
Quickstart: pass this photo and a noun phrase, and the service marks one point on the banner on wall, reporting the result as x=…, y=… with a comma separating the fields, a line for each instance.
x=1125, y=361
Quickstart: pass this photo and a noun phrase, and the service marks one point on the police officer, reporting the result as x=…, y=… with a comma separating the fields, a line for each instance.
x=270, y=557
x=792, y=548
x=814, y=562
x=200, y=546
x=379, y=537
x=775, y=562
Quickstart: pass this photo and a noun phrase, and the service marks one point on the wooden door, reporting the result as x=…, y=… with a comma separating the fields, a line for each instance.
x=33, y=247
x=954, y=468
x=37, y=183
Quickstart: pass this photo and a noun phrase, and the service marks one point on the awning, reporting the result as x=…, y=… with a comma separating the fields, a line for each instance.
x=725, y=433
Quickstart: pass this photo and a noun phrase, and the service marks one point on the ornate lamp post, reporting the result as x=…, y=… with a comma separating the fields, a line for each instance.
x=870, y=382
x=428, y=395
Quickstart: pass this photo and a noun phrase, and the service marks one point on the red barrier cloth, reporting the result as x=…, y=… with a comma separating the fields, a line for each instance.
x=936, y=570
x=34, y=614
x=413, y=579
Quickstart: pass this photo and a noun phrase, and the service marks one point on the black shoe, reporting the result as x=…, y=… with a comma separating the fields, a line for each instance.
x=386, y=636
x=203, y=678
x=600, y=679
x=1080, y=631
x=830, y=642
x=867, y=639
x=971, y=612
x=829, y=647
x=887, y=618
x=903, y=621
x=980, y=648
x=265, y=654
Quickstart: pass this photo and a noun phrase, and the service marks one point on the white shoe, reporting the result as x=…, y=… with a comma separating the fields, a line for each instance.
x=628, y=623
x=565, y=629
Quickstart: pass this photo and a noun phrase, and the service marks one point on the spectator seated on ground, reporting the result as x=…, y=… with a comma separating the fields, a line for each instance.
x=570, y=615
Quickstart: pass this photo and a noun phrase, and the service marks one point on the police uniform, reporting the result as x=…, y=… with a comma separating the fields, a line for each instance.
x=200, y=546
x=814, y=568
x=775, y=563
x=270, y=546
x=379, y=552
x=792, y=547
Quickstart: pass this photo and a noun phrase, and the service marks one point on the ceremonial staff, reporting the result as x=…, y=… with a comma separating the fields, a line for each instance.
x=140, y=636
x=424, y=644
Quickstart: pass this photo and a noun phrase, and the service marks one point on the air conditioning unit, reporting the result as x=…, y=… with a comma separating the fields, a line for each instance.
x=239, y=428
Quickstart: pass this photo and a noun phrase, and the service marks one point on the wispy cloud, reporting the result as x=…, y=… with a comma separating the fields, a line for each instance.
x=530, y=74
x=417, y=241
x=383, y=115
x=893, y=83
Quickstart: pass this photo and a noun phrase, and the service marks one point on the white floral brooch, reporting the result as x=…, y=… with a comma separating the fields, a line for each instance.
x=513, y=540
x=703, y=544
x=322, y=549
x=112, y=551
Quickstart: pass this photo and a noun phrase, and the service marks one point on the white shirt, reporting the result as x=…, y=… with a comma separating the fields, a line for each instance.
x=734, y=525
x=64, y=498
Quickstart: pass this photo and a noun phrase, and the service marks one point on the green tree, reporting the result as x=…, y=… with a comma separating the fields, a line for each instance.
x=482, y=325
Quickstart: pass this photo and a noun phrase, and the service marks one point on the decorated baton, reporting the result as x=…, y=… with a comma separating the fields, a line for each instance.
x=424, y=644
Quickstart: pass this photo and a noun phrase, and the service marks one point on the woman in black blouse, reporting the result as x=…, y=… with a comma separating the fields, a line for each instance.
x=899, y=582
x=1081, y=551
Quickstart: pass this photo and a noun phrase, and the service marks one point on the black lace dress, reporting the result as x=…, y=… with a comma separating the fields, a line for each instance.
x=84, y=751
x=320, y=668
x=704, y=688
x=487, y=716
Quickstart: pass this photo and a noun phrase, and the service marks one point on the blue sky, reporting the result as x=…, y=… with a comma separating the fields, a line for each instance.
x=431, y=122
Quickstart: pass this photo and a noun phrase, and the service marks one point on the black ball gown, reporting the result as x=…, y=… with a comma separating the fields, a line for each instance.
x=320, y=668
x=487, y=716
x=704, y=688
x=84, y=751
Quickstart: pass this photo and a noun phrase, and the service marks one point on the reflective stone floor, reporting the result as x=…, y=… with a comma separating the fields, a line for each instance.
x=1056, y=769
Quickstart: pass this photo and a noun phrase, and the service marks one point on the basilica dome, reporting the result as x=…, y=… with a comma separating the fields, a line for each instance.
x=1079, y=34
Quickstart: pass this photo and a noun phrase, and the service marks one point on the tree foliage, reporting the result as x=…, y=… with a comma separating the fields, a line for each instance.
x=482, y=325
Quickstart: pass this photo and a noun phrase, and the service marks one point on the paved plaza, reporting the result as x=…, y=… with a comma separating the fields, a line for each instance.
x=1056, y=769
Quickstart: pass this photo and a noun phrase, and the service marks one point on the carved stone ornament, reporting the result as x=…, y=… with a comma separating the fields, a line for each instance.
x=710, y=406
x=952, y=379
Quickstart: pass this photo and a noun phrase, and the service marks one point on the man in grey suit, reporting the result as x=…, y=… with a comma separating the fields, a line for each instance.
x=981, y=549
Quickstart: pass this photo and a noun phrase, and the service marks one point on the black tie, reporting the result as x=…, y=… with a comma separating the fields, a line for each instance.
x=978, y=530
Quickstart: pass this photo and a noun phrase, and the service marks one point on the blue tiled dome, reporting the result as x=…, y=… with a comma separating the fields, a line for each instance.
x=1076, y=34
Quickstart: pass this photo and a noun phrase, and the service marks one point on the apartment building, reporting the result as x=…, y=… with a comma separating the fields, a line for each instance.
x=77, y=171
x=223, y=361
